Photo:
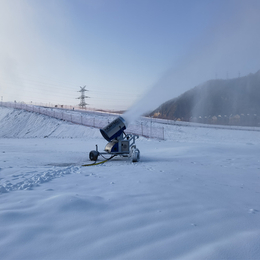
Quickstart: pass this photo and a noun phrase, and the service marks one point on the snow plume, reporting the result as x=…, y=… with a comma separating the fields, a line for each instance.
x=227, y=97
x=227, y=50
x=10, y=78
x=27, y=54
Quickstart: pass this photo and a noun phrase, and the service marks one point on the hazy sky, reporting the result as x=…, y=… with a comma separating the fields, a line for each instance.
x=122, y=50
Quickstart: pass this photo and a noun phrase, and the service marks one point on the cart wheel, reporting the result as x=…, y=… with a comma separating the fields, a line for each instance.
x=135, y=155
x=93, y=155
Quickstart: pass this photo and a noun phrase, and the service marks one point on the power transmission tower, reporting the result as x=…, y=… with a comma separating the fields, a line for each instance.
x=82, y=97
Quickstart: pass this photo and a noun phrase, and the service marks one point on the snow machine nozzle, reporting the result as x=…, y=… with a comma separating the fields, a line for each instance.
x=120, y=143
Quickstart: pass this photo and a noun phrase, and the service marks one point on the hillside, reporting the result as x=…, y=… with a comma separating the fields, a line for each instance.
x=232, y=101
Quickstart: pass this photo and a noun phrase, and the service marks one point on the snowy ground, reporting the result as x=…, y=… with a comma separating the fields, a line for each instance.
x=194, y=196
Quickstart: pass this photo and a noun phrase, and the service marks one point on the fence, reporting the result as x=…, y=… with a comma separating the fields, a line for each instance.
x=204, y=125
x=233, y=120
x=90, y=119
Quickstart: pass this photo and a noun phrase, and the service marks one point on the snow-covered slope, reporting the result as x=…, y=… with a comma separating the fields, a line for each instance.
x=194, y=196
x=23, y=124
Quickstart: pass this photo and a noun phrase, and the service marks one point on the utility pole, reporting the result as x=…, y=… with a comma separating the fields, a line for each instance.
x=82, y=97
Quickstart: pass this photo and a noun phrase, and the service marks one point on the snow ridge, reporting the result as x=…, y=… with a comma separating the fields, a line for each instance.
x=38, y=179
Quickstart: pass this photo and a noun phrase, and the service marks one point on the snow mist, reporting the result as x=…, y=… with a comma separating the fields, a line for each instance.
x=230, y=48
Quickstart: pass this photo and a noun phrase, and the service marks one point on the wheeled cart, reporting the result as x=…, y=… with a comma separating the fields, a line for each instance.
x=120, y=143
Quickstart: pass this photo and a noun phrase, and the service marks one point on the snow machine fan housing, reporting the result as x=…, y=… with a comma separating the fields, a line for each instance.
x=114, y=129
x=120, y=143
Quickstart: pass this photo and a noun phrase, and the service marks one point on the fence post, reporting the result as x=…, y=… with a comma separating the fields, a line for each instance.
x=163, y=132
x=151, y=129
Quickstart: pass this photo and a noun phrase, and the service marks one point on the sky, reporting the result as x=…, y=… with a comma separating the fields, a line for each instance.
x=129, y=54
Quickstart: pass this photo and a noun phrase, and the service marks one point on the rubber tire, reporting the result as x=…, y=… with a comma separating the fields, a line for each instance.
x=136, y=155
x=93, y=155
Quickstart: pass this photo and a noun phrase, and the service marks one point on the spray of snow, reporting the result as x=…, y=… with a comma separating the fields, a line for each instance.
x=226, y=49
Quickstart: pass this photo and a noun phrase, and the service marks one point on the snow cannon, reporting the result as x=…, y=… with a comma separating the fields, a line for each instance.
x=114, y=129
x=119, y=143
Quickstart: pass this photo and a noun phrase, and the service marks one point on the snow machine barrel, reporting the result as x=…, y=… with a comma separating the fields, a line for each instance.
x=114, y=129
